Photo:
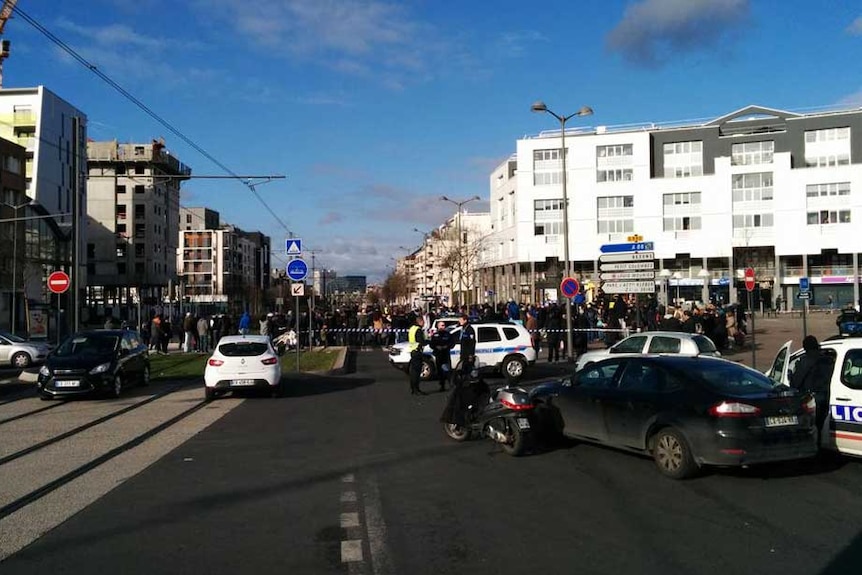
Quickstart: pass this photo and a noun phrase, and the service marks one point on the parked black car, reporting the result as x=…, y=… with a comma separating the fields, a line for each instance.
x=92, y=362
x=683, y=411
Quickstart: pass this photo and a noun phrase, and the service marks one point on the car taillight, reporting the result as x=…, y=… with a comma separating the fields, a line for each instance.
x=215, y=362
x=810, y=405
x=269, y=361
x=733, y=409
x=516, y=406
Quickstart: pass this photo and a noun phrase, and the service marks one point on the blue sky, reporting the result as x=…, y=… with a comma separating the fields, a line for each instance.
x=375, y=109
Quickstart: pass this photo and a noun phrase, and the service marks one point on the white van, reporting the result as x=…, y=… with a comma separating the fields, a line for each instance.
x=842, y=430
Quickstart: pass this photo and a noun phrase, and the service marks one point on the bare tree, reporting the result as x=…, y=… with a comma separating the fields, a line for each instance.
x=395, y=286
x=460, y=260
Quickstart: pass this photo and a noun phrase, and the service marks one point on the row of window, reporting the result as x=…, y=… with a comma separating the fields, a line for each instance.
x=824, y=148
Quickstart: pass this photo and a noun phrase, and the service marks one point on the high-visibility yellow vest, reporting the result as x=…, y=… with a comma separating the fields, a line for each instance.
x=412, y=339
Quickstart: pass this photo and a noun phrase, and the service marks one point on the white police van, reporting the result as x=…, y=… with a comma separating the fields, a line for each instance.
x=501, y=347
x=842, y=430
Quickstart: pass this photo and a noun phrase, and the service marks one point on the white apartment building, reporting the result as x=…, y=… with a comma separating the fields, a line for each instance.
x=133, y=210
x=221, y=267
x=445, y=267
x=769, y=189
x=54, y=134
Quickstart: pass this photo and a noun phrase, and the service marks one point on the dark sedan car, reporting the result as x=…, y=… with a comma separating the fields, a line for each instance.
x=684, y=411
x=98, y=361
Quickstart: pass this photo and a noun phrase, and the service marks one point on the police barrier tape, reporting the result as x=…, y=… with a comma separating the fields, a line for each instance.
x=540, y=331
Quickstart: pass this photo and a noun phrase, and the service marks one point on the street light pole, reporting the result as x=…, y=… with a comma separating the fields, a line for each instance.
x=460, y=240
x=539, y=107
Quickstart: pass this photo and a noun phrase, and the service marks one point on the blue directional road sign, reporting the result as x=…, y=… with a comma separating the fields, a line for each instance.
x=804, y=286
x=629, y=247
x=297, y=269
x=293, y=246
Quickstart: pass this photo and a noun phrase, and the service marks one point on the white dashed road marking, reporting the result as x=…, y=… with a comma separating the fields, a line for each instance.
x=351, y=551
x=349, y=520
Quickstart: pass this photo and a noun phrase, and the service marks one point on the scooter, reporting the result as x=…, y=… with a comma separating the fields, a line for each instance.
x=505, y=415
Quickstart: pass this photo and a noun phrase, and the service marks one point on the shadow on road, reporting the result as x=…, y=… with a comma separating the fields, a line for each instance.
x=303, y=385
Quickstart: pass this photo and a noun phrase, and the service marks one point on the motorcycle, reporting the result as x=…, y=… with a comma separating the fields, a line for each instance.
x=505, y=415
x=285, y=341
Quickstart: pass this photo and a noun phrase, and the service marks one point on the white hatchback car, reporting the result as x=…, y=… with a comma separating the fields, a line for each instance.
x=242, y=362
x=675, y=342
x=501, y=347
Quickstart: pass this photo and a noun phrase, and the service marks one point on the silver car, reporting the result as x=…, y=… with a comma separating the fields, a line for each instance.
x=18, y=352
x=674, y=342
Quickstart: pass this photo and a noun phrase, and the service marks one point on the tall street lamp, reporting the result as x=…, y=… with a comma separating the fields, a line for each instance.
x=460, y=240
x=540, y=107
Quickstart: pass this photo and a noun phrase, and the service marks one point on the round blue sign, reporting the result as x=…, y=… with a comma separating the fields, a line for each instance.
x=579, y=299
x=297, y=269
x=570, y=287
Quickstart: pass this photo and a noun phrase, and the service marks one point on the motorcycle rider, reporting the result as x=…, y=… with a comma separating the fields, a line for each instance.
x=416, y=343
x=442, y=343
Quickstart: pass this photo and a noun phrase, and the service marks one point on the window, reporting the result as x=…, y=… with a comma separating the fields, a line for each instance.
x=121, y=230
x=139, y=189
x=91, y=251
x=615, y=214
x=615, y=175
x=140, y=230
x=547, y=167
x=683, y=199
x=139, y=250
x=742, y=221
x=634, y=344
x=121, y=169
x=826, y=190
x=121, y=211
x=851, y=369
x=597, y=377
x=139, y=170
x=752, y=187
x=548, y=217
x=683, y=159
x=120, y=189
x=510, y=333
x=828, y=147
x=615, y=150
x=140, y=211
x=121, y=250
x=486, y=334
x=188, y=218
x=751, y=153
x=681, y=223
x=121, y=268
x=664, y=344
x=828, y=217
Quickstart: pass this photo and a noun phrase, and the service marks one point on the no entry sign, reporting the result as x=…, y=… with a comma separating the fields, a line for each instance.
x=58, y=282
x=749, y=279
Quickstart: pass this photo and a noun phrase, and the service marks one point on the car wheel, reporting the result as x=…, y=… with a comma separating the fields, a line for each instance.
x=21, y=360
x=672, y=454
x=513, y=368
x=209, y=393
x=145, y=377
x=45, y=396
x=457, y=432
x=117, y=388
x=427, y=371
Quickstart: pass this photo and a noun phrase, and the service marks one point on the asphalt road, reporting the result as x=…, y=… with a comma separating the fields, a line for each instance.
x=351, y=474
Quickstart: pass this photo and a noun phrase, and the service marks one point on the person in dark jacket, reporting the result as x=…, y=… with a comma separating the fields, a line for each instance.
x=811, y=374
x=442, y=343
x=467, y=339
x=553, y=327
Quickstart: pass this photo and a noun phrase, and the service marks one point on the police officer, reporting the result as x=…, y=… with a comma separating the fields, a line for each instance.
x=416, y=342
x=811, y=374
x=467, y=340
x=442, y=343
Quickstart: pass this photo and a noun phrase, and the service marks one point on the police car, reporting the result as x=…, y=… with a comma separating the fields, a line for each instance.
x=501, y=347
x=842, y=430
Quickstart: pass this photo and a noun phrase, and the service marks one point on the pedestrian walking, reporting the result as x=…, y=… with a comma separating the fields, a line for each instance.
x=244, y=323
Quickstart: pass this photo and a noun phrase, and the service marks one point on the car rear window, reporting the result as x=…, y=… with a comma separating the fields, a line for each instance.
x=243, y=349
x=731, y=379
x=704, y=344
x=664, y=344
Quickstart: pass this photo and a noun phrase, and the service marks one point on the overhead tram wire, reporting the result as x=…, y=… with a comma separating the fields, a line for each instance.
x=146, y=109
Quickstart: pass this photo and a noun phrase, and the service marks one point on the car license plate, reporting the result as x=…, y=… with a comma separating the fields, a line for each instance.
x=779, y=420
x=523, y=423
x=68, y=383
x=242, y=382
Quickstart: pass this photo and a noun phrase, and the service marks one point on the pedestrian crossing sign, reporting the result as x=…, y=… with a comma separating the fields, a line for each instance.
x=293, y=246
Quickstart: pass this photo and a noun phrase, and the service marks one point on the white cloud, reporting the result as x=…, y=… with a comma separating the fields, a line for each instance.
x=516, y=43
x=854, y=99
x=372, y=39
x=116, y=36
x=651, y=30
x=855, y=27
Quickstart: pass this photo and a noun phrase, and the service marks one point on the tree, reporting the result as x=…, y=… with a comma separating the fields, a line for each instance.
x=459, y=259
x=395, y=286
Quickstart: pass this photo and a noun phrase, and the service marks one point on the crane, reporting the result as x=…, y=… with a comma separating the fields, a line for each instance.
x=5, y=14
